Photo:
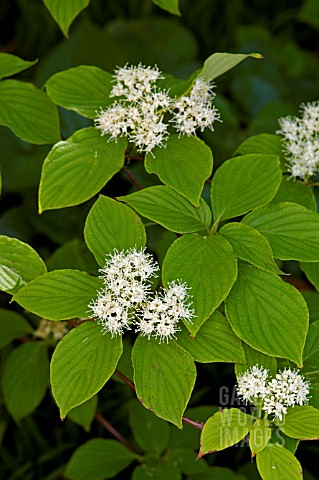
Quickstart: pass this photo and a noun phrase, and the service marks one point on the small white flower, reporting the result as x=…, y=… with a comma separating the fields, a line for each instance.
x=301, y=141
x=252, y=383
x=47, y=328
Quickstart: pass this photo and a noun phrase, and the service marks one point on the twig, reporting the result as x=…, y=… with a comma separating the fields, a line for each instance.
x=109, y=427
x=132, y=178
x=194, y=423
x=134, y=157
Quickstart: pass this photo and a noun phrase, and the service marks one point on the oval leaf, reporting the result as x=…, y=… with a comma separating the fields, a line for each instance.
x=277, y=463
x=244, y=183
x=224, y=429
x=220, y=63
x=28, y=112
x=291, y=230
x=82, y=363
x=301, y=422
x=259, y=436
x=110, y=225
x=84, y=89
x=10, y=64
x=248, y=244
x=78, y=168
x=164, y=377
x=201, y=262
x=214, y=342
x=59, y=295
x=65, y=12
x=265, y=143
x=84, y=414
x=12, y=326
x=296, y=192
x=98, y=459
x=311, y=353
x=25, y=378
x=254, y=357
x=166, y=207
x=312, y=273
x=262, y=308
x=184, y=165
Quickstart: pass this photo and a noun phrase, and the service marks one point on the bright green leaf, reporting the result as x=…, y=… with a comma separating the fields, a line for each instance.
x=10, y=64
x=312, y=272
x=265, y=143
x=301, y=422
x=184, y=165
x=28, y=112
x=248, y=244
x=19, y=264
x=296, y=192
x=215, y=341
x=224, y=429
x=254, y=357
x=109, y=225
x=84, y=89
x=259, y=436
x=291, y=230
x=277, y=463
x=98, y=459
x=168, y=208
x=78, y=168
x=261, y=308
x=311, y=353
x=201, y=262
x=25, y=379
x=84, y=414
x=65, y=12
x=243, y=183
x=73, y=254
x=12, y=326
x=82, y=363
x=170, y=6
x=59, y=295
x=219, y=63
x=164, y=377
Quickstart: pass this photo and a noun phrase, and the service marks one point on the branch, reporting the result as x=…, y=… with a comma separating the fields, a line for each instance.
x=132, y=178
x=107, y=425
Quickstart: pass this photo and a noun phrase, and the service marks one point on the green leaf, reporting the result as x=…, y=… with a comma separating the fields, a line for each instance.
x=25, y=379
x=265, y=143
x=248, y=244
x=296, y=192
x=200, y=262
x=262, y=308
x=82, y=363
x=110, y=225
x=65, y=12
x=164, y=377
x=312, y=272
x=291, y=230
x=12, y=326
x=185, y=460
x=184, y=165
x=224, y=429
x=19, y=264
x=157, y=471
x=84, y=89
x=311, y=353
x=214, y=342
x=59, y=295
x=98, y=459
x=254, y=357
x=301, y=422
x=84, y=414
x=168, y=208
x=259, y=436
x=150, y=432
x=78, y=168
x=28, y=112
x=243, y=183
x=73, y=254
x=277, y=463
x=170, y=6
x=10, y=64
x=219, y=63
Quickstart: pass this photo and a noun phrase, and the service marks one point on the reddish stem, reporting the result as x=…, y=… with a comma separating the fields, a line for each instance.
x=194, y=423
x=132, y=178
x=109, y=427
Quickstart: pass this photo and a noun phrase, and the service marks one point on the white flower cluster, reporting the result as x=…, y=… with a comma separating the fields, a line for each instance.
x=139, y=111
x=301, y=141
x=126, y=298
x=47, y=328
x=287, y=389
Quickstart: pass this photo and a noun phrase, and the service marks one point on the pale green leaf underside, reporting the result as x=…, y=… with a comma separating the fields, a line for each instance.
x=262, y=308
x=277, y=463
x=201, y=261
x=78, y=168
x=109, y=225
x=164, y=377
x=59, y=295
x=11, y=64
x=28, y=112
x=220, y=63
x=81, y=364
x=168, y=208
x=64, y=12
x=84, y=89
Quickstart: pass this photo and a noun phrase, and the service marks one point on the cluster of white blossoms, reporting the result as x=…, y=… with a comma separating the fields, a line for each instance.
x=301, y=141
x=47, y=328
x=287, y=389
x=126, y=299
x=139, y=111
